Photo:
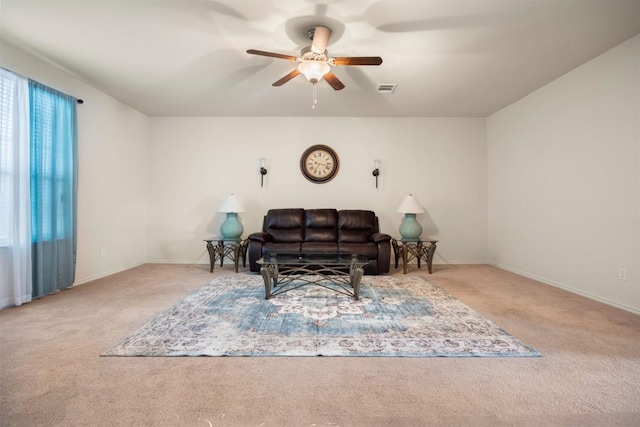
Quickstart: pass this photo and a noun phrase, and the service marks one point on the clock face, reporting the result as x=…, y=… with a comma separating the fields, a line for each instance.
x=319, y=163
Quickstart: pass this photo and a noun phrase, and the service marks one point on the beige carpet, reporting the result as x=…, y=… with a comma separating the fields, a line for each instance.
x=52, y=374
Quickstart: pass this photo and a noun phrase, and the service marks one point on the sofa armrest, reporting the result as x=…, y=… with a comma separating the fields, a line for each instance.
x=256, y=240
x=261, y=237
x=379, y=237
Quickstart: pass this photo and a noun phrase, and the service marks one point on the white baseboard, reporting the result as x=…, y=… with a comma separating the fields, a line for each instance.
x=456, y=262
x=567, y=288
x=189, y=262
x=105, y=274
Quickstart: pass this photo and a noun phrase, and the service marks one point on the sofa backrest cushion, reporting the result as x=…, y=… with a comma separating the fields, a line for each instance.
x=356, y=226
x=285, y=225
x=321, y=225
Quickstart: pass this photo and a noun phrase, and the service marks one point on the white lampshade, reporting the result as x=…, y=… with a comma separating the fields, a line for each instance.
x=232, y=204
x=410, y=205
x=314, y=70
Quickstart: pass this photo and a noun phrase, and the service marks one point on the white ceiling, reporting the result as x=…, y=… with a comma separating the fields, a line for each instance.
x=188, y=58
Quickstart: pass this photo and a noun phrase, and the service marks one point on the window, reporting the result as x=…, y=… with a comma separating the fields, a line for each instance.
x=7, y=92
x=38, y=186
x=15, y=227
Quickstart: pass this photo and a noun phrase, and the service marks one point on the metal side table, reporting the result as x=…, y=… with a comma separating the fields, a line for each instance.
x=220, y=248
x=421, y=249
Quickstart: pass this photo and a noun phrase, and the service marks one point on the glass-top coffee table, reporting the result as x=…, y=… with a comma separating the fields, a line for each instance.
x=338, y=272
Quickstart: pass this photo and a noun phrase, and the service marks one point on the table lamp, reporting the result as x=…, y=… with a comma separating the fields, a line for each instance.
x=231, y=228
x=410, y=229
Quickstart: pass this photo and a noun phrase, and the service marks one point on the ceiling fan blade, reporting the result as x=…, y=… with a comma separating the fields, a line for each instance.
x=286, y=78
x=271, y=54
x=333, y=81
x=320, y=39
x=358, y=60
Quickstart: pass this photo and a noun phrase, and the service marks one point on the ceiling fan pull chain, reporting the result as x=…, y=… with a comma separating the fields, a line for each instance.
x=315, y=99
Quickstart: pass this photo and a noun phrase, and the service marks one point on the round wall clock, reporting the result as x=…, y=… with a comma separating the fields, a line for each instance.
x=319, y=164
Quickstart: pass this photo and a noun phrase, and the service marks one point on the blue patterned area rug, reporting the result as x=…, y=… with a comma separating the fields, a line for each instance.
x=404, y=316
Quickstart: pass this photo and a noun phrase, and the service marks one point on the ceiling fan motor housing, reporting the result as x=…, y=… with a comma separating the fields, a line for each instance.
x=307, y=54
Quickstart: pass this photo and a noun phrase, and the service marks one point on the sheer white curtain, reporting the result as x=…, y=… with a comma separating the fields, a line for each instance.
x=15, y=206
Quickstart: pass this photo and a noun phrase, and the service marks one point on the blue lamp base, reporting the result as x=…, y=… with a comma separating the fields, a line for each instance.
x=231, y=228
x=410, y=229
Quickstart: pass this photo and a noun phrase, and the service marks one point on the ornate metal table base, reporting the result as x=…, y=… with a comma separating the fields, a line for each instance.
x=408, y=250
x=340, y=274
x=233, y=249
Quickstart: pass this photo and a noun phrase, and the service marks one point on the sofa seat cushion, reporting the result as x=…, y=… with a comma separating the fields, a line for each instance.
x=280, y=247
x=319, y=248
x=370, y=250
x=324, y=235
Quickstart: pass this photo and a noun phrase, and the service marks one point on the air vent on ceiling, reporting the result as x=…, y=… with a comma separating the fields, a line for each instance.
x=386, y=88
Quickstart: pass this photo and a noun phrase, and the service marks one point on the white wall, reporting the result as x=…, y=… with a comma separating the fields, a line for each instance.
x=551, y=183
x=196, y=162
x=564, y=180
x=112, y=155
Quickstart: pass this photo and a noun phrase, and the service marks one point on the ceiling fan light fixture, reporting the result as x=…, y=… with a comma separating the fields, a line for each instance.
x=314, y=71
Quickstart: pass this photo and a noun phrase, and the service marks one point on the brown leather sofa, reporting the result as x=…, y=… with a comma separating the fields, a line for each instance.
x=329, y=231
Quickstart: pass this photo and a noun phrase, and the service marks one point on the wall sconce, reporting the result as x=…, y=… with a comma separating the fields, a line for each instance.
x=263, y=171
x=376, y=170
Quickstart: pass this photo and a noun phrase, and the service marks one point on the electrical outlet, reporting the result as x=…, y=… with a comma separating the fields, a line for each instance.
x=103, y=252
x=622, y=274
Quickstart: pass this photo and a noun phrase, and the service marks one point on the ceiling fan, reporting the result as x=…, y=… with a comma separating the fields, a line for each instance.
x=315, y=62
